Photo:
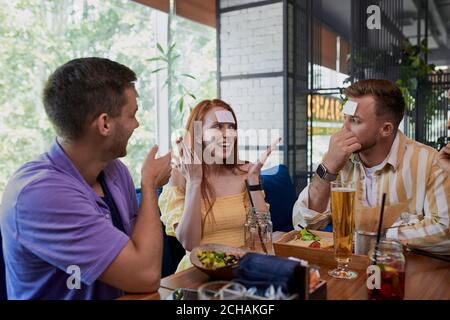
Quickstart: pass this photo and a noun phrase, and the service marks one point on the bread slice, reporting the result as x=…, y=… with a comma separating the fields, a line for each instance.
x=323, y=243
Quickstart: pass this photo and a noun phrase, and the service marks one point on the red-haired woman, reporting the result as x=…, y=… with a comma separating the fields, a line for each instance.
x=206, y=199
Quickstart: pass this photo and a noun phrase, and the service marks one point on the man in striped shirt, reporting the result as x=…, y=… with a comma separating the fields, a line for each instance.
x=371, y=146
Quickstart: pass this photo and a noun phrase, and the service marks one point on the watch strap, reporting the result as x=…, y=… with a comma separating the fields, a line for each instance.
x=255, y=187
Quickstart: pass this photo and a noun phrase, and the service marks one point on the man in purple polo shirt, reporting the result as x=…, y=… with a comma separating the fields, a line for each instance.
x=70, y=221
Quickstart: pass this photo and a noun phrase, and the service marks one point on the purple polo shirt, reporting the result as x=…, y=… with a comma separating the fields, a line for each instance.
x=52, y=219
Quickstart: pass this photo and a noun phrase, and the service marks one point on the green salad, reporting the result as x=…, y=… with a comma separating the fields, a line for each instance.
x=305, y=235
x=216, y=259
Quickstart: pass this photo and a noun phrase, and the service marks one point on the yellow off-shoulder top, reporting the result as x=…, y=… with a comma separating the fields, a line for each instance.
x=227, y=228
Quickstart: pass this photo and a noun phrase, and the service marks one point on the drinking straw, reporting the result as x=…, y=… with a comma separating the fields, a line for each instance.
x=380, y=224
x=425, y=253
x=257, y=222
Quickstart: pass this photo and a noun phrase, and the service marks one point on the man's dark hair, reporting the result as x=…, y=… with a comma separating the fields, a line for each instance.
x=388, y=97
x=80, y=90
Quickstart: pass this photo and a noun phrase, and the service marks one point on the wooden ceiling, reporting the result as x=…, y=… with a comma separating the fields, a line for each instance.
x=201, y=11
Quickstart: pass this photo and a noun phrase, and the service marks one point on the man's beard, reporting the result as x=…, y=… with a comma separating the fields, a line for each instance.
x=366, y=146
x=118, y=151
x=119, y=147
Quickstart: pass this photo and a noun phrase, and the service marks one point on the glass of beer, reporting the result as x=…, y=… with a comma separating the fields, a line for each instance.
x=342, y=212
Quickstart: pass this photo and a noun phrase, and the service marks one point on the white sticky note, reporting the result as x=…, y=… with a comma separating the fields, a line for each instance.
x=350, y=108
x=224, y=117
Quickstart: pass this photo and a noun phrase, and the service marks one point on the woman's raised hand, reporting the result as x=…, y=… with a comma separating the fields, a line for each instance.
x=254, y=169
x=188, y=163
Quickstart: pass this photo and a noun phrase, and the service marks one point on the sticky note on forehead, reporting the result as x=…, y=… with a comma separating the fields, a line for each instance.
x=350, y=108
x=224, y=117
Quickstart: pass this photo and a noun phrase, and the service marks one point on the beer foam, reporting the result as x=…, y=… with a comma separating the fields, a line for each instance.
x=343, y=189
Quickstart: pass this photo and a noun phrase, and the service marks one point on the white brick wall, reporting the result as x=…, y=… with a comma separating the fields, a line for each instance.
x=251, y=40
x=232, y=3
x=257, y=102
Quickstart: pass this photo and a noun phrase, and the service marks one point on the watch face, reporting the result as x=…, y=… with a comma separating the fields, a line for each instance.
x=320, y=170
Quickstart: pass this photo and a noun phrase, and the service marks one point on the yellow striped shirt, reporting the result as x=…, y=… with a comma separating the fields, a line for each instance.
x=417, y=197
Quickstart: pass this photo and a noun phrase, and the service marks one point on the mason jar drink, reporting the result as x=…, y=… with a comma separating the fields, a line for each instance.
x=258, y=232
x=388, y=256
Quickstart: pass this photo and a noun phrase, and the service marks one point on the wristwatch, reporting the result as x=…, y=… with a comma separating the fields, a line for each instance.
x=323, y=173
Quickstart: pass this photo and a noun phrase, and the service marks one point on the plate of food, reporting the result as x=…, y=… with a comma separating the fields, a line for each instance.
x=313, y=239
x=216, y=260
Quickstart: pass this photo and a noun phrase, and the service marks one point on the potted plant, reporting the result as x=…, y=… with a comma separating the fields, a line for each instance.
x=415, y=84
x=180, y=96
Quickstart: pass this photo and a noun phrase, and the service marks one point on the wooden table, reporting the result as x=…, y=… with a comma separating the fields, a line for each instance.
x=426, y=279
x=161, y=294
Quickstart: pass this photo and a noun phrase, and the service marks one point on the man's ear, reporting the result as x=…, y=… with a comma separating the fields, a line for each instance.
x=387, y=129
x=103, y=124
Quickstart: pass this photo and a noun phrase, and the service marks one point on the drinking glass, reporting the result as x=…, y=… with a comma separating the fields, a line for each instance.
x=388, y=256
x=258, y=232
x=221, y=290
x=342, y=212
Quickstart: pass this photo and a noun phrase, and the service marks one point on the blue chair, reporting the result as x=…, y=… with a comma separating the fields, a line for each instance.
x=3, y=295
x=280, y=194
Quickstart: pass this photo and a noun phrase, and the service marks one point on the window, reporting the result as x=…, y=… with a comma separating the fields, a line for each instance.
x=330, y=68
x=38, y=36
x=196, y=44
